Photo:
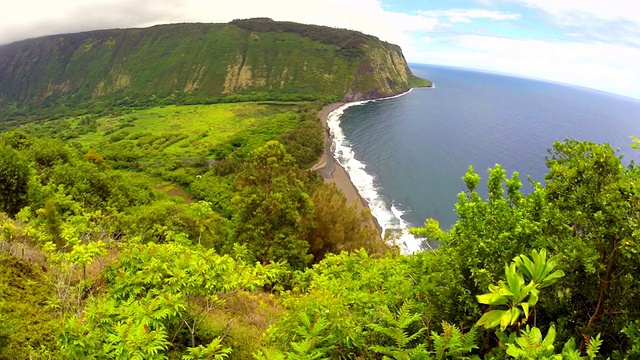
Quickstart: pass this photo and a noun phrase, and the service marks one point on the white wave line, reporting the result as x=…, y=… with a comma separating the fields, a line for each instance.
x=388, y=216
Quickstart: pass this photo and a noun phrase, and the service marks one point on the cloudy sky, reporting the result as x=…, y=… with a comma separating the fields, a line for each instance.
x=590, y=43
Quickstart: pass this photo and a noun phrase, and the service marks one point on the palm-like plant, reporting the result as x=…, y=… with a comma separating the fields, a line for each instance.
x=538, y=271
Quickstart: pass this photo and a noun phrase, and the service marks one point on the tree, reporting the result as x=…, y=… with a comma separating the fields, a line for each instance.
x=49, y=152
x=339, y=226
x=216, y=190
x=586, y=214
x=14, y=180
x=272, y=209
x=592, y=207
x=52, y=221
x=94, y=157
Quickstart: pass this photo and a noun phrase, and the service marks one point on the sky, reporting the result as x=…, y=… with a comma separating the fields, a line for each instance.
x=589, y=43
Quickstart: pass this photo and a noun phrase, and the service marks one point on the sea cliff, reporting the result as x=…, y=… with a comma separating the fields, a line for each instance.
x=253, y=59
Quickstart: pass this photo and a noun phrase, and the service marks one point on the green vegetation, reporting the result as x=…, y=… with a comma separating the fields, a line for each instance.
x=345, y=39
x=139, y=223
x=84, y=222
x=180, y=144
x=27, y=325
x=14, y=175
x=196, y=131
x=245, y=60
x=275, y=265
x=273, y=207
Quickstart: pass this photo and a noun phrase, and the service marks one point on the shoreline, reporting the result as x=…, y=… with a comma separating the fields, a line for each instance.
x=331, y=170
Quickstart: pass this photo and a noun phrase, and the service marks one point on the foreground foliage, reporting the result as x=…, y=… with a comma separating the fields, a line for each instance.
x=275, y=265
x=27, y=327
x=159, y=298
x=132, y=270
x=586, y=215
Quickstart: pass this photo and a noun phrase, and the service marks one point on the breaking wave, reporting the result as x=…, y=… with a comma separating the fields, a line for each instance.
x=388, y=216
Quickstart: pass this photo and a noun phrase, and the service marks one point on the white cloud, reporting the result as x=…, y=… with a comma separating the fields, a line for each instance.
x=616, y=21
x=30, y=18
x=607, y=10
x=609, y=67
x=466, y=15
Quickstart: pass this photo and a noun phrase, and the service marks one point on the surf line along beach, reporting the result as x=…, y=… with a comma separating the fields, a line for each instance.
x=332, y=171
x=329, y=168
x=339, y=165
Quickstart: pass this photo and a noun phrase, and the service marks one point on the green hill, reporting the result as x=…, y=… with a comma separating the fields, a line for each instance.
x=251, y=59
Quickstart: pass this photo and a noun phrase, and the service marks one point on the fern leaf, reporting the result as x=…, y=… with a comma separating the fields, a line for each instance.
x=594, y=346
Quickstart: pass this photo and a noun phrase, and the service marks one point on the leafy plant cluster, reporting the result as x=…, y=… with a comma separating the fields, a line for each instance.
x=327, y=319
x=158, y=300
x=585, y=215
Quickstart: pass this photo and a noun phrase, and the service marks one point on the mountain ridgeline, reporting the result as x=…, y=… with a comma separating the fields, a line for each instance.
x=253, y=59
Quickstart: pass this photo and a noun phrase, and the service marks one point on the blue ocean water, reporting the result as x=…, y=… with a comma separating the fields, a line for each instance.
x=407, y=155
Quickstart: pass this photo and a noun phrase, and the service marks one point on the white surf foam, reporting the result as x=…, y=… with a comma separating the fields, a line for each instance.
x=388, y=216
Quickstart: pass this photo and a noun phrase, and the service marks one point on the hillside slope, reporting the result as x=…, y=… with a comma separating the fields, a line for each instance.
x=192, y=62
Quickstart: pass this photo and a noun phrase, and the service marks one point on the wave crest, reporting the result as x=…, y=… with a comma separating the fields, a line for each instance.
x=388, y=216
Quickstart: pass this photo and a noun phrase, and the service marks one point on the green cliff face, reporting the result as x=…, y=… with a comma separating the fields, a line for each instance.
x=255, y=57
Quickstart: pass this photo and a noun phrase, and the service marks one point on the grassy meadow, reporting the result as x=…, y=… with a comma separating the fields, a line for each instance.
x=172, y=145
x=190, y=131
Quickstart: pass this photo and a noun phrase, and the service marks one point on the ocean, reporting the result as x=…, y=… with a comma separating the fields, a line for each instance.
x=407, y=155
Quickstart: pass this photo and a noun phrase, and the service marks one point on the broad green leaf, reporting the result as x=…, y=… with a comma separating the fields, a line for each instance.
x=535, y=336
x=492, y=299
x=514, y=280
x=525, y=309
x=552, y=278
x=533, y=298
x=515, y=315
x=550, y=338
x=492, y=318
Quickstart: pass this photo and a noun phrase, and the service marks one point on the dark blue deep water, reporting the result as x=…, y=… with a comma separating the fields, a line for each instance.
x=416, y=147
